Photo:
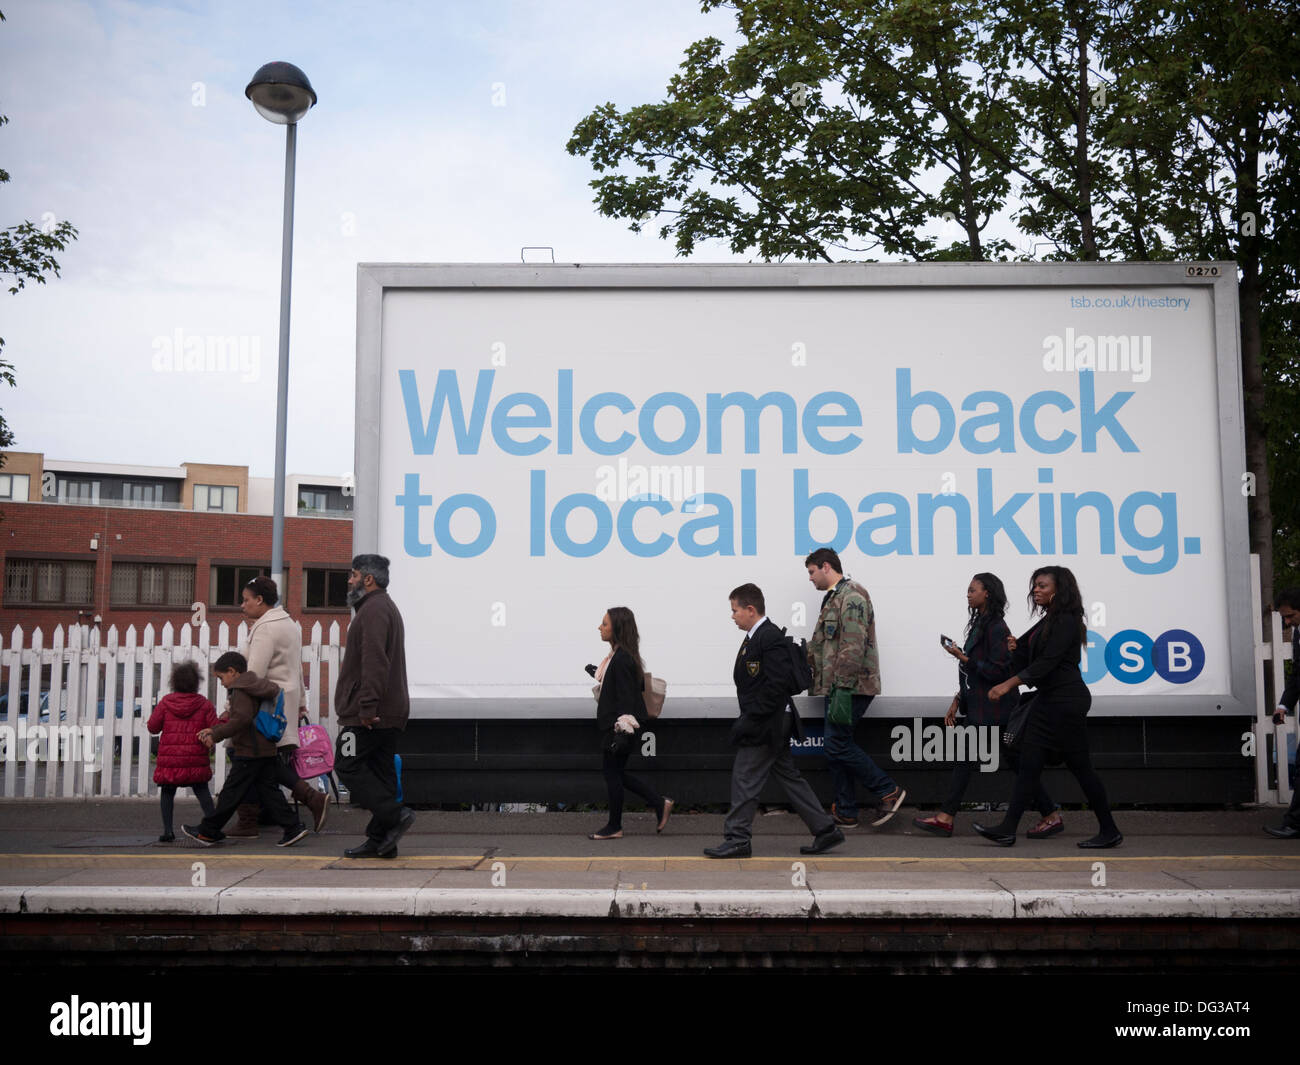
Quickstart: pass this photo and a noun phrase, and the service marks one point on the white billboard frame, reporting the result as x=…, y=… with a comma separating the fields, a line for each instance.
x=375, y=279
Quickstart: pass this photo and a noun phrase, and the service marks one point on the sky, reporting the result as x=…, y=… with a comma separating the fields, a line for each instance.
x=438, y=136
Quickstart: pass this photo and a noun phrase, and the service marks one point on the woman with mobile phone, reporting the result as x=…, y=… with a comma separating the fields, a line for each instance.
x=984, y=661
x=1047, y=658
x=620, y=710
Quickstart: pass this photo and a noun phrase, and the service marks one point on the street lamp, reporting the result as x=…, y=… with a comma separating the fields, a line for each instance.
x=282, y=94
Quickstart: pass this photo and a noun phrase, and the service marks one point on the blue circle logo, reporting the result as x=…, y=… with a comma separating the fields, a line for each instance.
x=1178, y=656
x=1128, y=656
x=1131, y=657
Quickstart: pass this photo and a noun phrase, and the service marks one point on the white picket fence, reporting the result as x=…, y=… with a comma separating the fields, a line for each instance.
x=63, y=704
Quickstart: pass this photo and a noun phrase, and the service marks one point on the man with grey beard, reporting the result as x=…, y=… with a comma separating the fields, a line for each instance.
x=373, y=705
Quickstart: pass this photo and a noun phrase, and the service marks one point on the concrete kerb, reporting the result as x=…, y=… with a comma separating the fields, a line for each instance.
x=1230, y=903
x=651, y=905
x=11, y=899
x=317, y=901
x=514, y=902
x=971, y=903
x=632, y=904
x=76, y=899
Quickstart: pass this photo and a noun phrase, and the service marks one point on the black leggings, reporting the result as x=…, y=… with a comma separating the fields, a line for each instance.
x=616, y=778
x=961, y=774
x=1033, y=758
x=167, y=797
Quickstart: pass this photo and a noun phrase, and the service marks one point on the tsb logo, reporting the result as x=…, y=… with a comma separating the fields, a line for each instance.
x=1131, y=656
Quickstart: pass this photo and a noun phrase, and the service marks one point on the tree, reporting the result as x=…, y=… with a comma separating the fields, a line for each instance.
x=1109, y=129
x=26, y=254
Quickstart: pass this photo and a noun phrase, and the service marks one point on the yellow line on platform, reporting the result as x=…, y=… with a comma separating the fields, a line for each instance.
x=190, y=855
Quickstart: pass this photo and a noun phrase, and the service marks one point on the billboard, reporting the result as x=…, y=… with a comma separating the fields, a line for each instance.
x=539, y=443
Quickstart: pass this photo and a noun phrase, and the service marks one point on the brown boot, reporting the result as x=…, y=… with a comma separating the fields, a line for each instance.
x=245, y=821
x=315, y=801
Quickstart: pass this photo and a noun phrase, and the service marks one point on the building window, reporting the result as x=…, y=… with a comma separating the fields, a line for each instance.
x=223, y=497
x=15, y=486
x=310, y=500
x=152, y=584
x=326, y=589
x=135, y=494
x=39, y=582
x=227, y=584
x=69, y=490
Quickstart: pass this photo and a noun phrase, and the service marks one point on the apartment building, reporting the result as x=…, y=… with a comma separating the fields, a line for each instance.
x=98, y=544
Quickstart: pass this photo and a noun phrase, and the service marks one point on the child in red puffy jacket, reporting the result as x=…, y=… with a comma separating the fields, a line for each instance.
x=183, y=761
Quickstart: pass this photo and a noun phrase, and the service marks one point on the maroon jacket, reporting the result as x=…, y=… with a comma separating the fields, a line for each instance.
x=182, y=759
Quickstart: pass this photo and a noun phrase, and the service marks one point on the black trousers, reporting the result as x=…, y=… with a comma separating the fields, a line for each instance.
x=1033, y=757
x=363, y=759
x=1292, y=818
x=249, y=779
x=961, y=774
x=167, y=800
x=285, y=774
x=616, y=779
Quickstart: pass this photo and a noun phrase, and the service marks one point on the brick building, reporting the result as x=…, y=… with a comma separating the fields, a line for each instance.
x=101, y=545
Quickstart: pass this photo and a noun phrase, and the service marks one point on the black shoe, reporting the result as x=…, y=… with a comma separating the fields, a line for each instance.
x=1002, y=839
x=369, y=849
x=729, y=848
x=1285, y=832
x=292, y=836
x=1101, y=842
x=195, y=833
x=832, y=837
x=389, y=843
x=169, y=837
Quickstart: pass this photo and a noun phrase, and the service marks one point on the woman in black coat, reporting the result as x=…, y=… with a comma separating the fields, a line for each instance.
x=984, y=661
x=620, y=682
x=1047, y=658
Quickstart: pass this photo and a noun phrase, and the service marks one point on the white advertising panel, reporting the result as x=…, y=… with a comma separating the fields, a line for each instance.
x=532, y=454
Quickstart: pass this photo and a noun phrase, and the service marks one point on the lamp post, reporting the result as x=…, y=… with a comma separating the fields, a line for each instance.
x=282, y=94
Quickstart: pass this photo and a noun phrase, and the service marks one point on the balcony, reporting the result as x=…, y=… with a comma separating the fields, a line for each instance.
x=323, y=512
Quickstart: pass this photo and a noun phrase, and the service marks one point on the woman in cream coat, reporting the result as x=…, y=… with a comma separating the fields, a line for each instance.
x=274, y=652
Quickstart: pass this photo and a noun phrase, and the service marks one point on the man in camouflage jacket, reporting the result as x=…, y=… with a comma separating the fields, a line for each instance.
x=846, y=670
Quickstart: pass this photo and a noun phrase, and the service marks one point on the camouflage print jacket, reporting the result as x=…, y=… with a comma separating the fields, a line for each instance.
x=842, y=651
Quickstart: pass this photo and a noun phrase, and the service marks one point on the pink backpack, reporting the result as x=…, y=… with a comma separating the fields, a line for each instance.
x=315, y=754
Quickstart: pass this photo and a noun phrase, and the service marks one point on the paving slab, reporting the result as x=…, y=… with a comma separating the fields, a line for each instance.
x=339, y=879
x=530, y=877
x=1118, y=878
x=1241, y=879
x=176, y=876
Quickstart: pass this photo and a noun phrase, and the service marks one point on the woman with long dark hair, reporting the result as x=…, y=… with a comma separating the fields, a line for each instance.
x=984, y=661
x=620, y=709
x=1047, y=658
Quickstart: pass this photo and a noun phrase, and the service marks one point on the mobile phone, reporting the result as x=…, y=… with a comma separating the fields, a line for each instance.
x=590, y=669
x=944, y=641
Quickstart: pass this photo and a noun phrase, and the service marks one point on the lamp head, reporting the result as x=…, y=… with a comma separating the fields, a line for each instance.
x=281, y=93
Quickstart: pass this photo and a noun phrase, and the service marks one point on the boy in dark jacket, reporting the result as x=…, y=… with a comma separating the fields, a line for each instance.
x=253, y=757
